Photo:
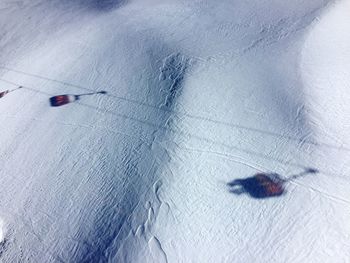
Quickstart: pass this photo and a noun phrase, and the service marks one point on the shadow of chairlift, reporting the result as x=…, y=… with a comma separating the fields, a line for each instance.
x=264, y=185
x=60, y=100
x=3, y=93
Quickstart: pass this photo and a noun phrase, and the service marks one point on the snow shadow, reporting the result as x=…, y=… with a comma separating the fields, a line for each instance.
x=3, y=246
x=172, y=74
x=122, y=224
x=60, y=100
x=98, y=5
x=264, y=185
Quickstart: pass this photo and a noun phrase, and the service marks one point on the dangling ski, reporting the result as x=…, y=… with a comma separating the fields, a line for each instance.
x=3, y=93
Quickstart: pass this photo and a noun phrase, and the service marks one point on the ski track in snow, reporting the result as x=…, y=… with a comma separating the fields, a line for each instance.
x=198, y=94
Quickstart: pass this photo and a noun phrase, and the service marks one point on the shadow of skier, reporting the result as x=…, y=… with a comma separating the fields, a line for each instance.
x=64, y=99
x=264, y=185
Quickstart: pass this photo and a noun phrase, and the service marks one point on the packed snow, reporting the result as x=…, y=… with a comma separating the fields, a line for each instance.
x=174, y=131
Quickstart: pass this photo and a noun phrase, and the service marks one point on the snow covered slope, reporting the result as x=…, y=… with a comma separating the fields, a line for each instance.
x=198, y=94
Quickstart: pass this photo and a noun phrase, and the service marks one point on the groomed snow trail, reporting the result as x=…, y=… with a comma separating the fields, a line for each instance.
x=199, y=93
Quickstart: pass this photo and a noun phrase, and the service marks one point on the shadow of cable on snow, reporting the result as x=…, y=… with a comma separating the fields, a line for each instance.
x=264, y=185
x=60, y=100
x=165, y=128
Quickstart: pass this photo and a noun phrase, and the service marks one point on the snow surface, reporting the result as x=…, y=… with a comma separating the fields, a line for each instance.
x=199, y=93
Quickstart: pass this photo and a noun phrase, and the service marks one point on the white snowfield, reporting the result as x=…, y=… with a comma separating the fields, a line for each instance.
x=199, y=94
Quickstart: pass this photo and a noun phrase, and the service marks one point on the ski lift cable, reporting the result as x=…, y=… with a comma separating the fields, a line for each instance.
x=185, y=114
x=24, y=87
x=200, y=118
x=235, y=126
x=200, y=138
x=215, y=121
